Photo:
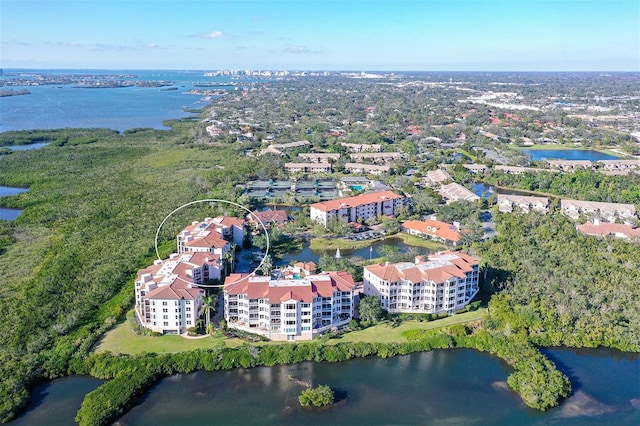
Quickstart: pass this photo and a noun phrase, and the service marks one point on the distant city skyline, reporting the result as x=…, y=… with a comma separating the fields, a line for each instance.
x=401, y=35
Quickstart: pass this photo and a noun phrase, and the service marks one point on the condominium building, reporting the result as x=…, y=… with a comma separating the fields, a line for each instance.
x=289, y=307
x=445, y=283
x=453, y=192
x=598, y=210
x=434, y=229
x=359, y=207
x=524, y=204
x=308, y=167
x=212, y=235
x=435, y=178
x=376, y=157
x=372, y=169
x=314, y=157
x=168, y=298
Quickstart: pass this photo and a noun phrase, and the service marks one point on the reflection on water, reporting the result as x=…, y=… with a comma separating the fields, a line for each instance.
x=567, y=154
x=440, y=387
x=9, y=214
x=28, y=147
x=370, y=251
x=57, y=402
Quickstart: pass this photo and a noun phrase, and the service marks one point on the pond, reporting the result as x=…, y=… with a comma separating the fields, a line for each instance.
x=28, y=147
x=370, y=251
x=7, y=213
x=567, y=154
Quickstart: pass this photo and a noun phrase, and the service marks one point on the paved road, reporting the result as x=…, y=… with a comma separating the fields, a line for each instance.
x=487, y=224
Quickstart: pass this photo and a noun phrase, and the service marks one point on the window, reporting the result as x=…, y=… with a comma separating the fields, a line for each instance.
x=165, y=310
x=166, y=324
x=164, y=303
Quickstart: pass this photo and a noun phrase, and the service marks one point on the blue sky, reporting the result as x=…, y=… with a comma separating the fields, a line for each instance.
x=501, y=35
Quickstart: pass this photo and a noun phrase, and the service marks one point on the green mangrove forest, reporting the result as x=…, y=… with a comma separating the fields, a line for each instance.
x=97, y=197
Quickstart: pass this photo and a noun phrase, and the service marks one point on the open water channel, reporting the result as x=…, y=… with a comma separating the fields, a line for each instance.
x=452, y=387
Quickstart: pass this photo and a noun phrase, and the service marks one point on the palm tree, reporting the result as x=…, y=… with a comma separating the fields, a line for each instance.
x=229, y=258
x=208, y=303
x=267, y=265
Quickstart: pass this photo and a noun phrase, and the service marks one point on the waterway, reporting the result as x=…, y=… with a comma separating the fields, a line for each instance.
x=459, y=386
x=56, y=402
x=567, y=154
x=63, y=105
x=7, y=213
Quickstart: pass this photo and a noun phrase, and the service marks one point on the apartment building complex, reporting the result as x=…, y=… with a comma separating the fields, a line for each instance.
x=362, y=207
x=168, y=298
x=289, y=307
x=444, y=283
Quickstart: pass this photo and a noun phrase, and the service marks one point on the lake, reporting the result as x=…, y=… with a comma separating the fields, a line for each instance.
x=567, y=154
x=457, y=386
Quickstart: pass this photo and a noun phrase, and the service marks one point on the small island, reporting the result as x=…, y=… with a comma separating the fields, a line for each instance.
x=13, y=92
x=320, y=396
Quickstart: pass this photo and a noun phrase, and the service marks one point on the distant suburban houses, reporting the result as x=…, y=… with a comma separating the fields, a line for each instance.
x=308, y=167
x=354, y=147
x=444, y=283
x=372, y=169
x=319, y=157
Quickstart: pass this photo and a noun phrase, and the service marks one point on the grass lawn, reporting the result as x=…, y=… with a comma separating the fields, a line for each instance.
x=339, y=243
x=123, y=340
x=388, y=333
x=413, y=240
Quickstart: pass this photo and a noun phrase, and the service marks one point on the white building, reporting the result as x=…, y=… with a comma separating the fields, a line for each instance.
x=453, y=192
x=525, y=204
x=212, y=235
x=351, y=209
x=299, y=307
x=598, y=210
x=167, y=294
x=168, y=299
x=445, y=283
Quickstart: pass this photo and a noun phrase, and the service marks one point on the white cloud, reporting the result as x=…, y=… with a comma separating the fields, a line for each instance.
x=213, y=34
x=299, y=49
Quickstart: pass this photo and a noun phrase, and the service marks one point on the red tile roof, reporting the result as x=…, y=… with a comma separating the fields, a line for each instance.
x=441, y=267
x=433, y=227
x=357, y=200
x=277, y=291
x=607, y=228
x=269, y=216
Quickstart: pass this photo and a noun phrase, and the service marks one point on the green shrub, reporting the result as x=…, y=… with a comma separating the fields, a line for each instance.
x=319, y=396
